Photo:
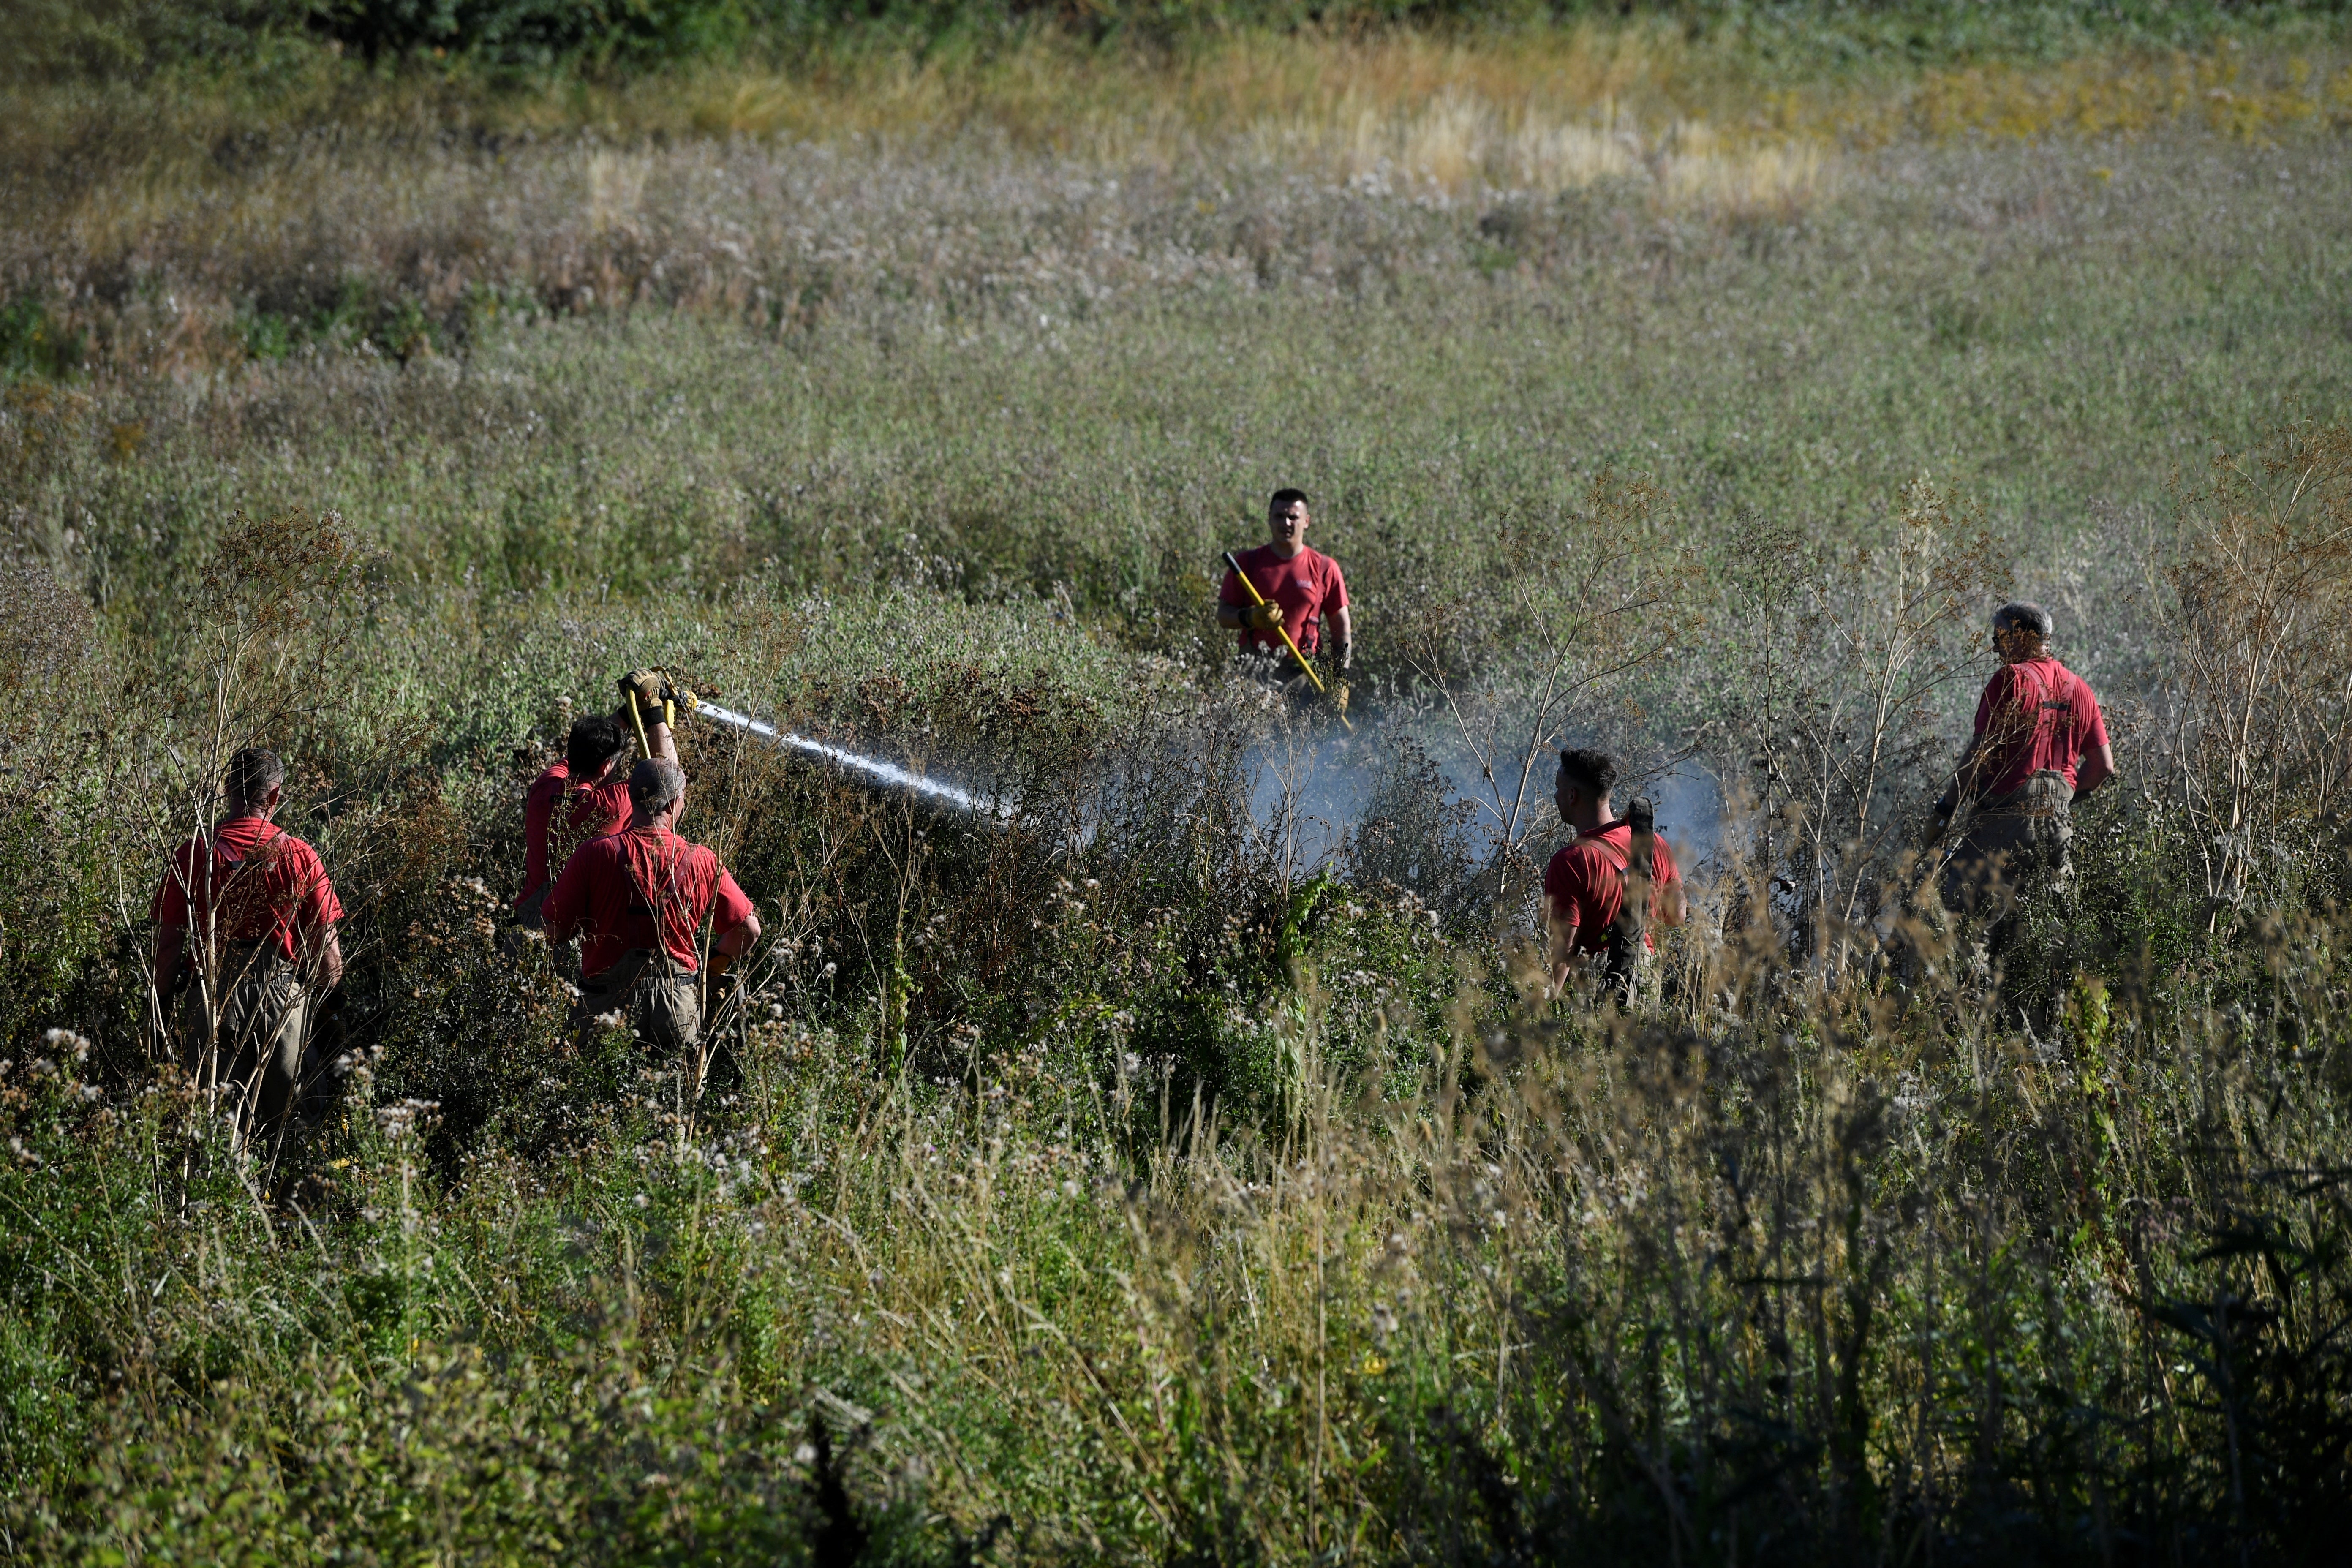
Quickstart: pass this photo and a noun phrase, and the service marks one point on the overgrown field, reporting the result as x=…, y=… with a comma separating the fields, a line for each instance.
x=1119, y=1180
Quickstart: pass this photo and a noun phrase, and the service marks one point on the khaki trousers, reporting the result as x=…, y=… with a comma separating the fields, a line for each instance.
x=244, y=1032
x=661, y=1000
x=2013, y=840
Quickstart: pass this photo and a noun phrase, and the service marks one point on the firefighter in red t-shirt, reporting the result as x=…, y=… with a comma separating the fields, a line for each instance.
x=2040, y=744
x=1609, y=885
x=638, y=900
x=246, y=919
x=1303, y=591
x=586, y=796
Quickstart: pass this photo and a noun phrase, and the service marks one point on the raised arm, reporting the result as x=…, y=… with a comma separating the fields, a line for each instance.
x=646, y=687
x=660, y=741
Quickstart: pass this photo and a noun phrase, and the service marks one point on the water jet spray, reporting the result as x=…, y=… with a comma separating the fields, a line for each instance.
x=872, y=770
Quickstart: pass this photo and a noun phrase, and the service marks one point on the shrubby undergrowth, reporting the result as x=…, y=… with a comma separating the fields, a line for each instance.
x=1106, y=1185
x=1120, y=1181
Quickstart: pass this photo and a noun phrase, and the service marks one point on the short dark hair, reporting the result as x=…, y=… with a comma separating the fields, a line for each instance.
x=1282, y=498
x=253, y=773
x=654, y=784
x=1591, y=770
x=2018, y=614
x=595, y=740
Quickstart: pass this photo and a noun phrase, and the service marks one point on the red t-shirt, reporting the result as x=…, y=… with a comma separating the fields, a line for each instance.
x=613, y=887
x=254, y=883
x=1582, y=887
x=1305, y=585
x=595, y=810
x=2036, y=714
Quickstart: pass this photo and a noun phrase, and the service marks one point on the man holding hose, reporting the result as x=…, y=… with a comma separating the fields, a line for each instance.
x=586, y=796
x=1298, y=590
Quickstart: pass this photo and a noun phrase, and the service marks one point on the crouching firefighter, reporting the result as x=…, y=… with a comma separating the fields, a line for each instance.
x=245, y=920
x=2041, y=744
x=1610, y=884
x=638, y=900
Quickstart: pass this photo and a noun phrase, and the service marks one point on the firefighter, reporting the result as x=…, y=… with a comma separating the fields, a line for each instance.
x=246, y=919
x=1301, y=590
x=1610, y=884
x=586, y=796
x=637, y=900
x=2040, y=744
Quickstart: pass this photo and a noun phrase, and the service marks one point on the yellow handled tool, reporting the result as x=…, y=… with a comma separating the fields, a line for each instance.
x=645, y=747
x=1284, y=632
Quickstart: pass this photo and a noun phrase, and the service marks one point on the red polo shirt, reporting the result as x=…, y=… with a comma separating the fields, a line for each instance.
x=2036, y=714
x=592, y=811
x=641, y=888
x=1583, y=886
x=253, y=882
x=1306, y=585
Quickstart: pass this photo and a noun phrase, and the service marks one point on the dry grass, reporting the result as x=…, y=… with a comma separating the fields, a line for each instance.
x=1544, y=109
x=745, y=188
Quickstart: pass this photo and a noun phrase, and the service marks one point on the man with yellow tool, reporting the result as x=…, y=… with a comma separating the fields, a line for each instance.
x=1279, y=596
x=586, y=795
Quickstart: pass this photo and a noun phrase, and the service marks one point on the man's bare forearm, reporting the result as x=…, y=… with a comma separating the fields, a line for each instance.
x=737, y=940
x=324, y=949
x=2097, y=768
x=1964, y=777
x=731, y=944
x=660, y=741
x=1562, y=957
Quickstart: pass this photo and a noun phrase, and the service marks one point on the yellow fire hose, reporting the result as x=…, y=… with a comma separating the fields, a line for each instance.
x=1284, y=632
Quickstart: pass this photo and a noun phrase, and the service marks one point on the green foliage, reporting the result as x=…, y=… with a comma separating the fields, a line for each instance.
x=31, y=343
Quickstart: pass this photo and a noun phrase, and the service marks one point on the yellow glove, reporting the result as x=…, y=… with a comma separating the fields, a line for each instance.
x=1263, y=617
x=651, y=688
